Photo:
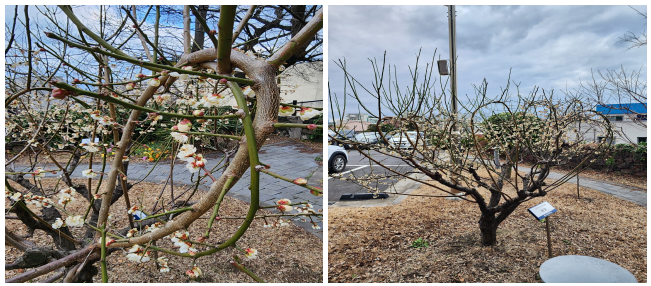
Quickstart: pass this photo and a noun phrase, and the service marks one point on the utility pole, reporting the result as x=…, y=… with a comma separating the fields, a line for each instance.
x=452, y=26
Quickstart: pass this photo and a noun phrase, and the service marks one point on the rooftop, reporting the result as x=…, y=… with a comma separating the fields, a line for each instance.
x=625, y=108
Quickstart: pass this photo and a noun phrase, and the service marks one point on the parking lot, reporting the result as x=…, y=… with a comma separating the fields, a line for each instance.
x=358, y=165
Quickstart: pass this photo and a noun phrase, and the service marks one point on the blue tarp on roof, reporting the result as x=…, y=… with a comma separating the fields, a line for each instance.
x=626, y=108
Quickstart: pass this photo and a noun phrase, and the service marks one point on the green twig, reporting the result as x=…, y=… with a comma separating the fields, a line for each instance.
x=278, y=176
x=215, y=211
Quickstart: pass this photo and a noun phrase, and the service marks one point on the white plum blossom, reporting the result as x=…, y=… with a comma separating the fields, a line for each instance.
x=196, y=165
x=163, y=98
x=75, y=221
x=210, y=100
x=17, y=196
x=90, y=147
x=39, y=173
x=65, y=198
x=179, y=137
x=95, y=114
x=154, y=82
x=58, y=223
x=248, y=91
x=284, y=202
x=164, y=267
x=194, y=273
x=153, y=227
x=137, y=254
x=132, y=232
x=186, y=153
x=250, y=253
x=88, y=174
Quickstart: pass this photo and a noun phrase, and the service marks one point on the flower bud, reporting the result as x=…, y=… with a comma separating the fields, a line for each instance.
x=185, y=125
x=300, y=181
x=311, y=126
x=198, y=113
x=60, y=93
x=140, y=75
x=212, y=32
x=223, y=80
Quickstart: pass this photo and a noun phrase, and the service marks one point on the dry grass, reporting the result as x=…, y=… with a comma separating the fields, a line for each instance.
x=286, y=254
x=374, y=244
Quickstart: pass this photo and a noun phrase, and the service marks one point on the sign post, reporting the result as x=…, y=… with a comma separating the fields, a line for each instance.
x=540, y=212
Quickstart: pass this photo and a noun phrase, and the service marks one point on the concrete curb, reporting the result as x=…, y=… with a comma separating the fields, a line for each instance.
x=626, y=193
x=407, y=185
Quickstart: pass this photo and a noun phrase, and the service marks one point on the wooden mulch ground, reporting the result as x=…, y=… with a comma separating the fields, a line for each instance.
x=285, y=254
x=374, y=244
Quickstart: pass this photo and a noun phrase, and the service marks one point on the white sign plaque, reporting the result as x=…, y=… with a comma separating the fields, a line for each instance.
x=542, y=210
x=87, y=140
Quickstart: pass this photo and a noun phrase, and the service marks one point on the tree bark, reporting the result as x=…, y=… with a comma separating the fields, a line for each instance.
x=488, y=227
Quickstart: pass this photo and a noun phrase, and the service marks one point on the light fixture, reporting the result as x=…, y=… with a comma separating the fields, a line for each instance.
x=443, y=67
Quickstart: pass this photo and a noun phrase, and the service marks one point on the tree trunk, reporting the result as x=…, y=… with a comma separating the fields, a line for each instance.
x=198, y=30
x=488, y=227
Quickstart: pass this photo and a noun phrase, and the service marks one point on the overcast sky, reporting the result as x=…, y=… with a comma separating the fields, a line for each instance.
x=552, y=47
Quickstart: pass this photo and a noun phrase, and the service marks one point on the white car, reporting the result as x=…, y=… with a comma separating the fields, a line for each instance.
x=401, y=141
x=337, y=159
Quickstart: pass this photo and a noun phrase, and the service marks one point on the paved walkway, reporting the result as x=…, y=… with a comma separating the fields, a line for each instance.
x=285, y=158
x=630, y=194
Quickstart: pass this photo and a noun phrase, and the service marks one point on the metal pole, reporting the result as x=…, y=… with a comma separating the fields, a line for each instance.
x=549, y=239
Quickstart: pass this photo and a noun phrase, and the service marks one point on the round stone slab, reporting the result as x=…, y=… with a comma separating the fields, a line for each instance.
x=583, y=269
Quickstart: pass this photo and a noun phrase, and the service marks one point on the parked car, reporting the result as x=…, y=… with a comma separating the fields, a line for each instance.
x=400, y=140
x=337, y=159
x=341, y=135
x=370, y=138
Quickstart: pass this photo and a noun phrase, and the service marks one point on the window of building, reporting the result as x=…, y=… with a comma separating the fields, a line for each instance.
x=641, y=117
x=641, y=139
x=615, y=118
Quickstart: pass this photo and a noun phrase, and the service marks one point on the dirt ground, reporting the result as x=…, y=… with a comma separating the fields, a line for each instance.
x=374, y=244
x=285, y=254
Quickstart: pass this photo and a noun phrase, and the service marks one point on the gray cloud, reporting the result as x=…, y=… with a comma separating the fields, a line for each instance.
x=547, y=46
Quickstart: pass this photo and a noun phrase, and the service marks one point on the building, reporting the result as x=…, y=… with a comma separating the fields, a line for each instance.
x=301, y=84
x=629, y=122
x=359, y=122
